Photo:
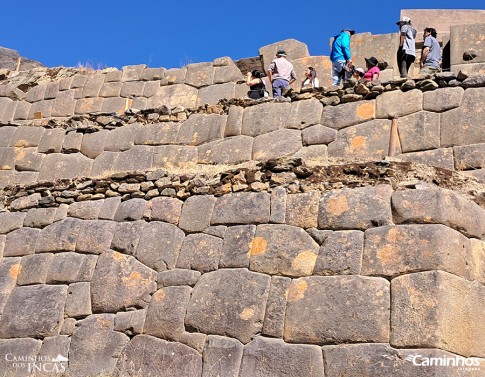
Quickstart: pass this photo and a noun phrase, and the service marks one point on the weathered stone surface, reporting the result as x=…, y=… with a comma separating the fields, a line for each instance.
x=72, y=142
x=93, y=144
x=121, y=138
x=293, y=48
x=88, y=210
x=200, y=74
x=95, y=236
x=469, y=156
x=110, y=89
x=264, y=118
x=21, y=242
x=313, y=154
x=273, y=357
x=447, y=302
x=26, y=136
x=230, y=151
x=442, y=157
x=464, y=125
x=349, y=114
x=465, y=37
x=302, y=209
x=9, y=271
x=115, y=105
x=159, y=245
x=126, y=237
x=395, y=250
x=359, y=208
x=200, y=252
x=278, y=205
x=138, y=158
x=274, y=318
x=196, y=213
x=340, y=254
x=305, y=113
x=202, y=128
x=241, y=208
x=351, y=309
x=8, y=110
x=34, y=269
x=151, y=357
x=367, y=140
x=174, y=156
x=221, y=357
x=95, y=347
x=132, y=209
x=60, y=236
x=439, y=206
x=25, y=202
x=78, y=302
x=93, y=85
x=150, y=74
x=399, y=103
x=174, y=95
x=89, y=105
x=22, y=110
x=109, y=208
x=174, y=76
x=132, y=89
x=51, y=141
x=164, y=209
x=36, y=93
x=33, y=311
x=131, y=323
x=64, y=166
x=283, y=250
x=17, y=348
x=166, y=313
x=178, y=277
x=67, y=268
x=7, y=157
x=64, y=104
x=419, y=131
x=2, y=244
x=132, y=72
x=237, y=245
x=214, y=93
x=10, y=177
x=6, y=134
x=318, y=134
x=213, y=310
x=276, y=144
x=120, y=282
x=477, y=268
x=157, y=133
x=234, y=121
x=443, y=99
x=52, y=348
x=227, y=72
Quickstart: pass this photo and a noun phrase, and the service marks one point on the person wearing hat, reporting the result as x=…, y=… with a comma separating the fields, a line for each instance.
x=373, y=70
x=358, y=73
x=406, y=54
x=431, y=54
x=340, y=56
x=281, y=75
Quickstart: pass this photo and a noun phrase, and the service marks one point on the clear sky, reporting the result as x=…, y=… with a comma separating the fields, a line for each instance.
x=171, y=34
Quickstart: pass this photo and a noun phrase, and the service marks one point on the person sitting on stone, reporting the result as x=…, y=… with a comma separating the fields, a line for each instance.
x=431, y=53
x=257, y=86
x=373, y=70
x=281, y=75
x=311, y=79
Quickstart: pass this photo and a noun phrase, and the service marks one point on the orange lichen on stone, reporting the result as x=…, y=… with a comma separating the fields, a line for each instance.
x=258, y=246
x=297, y=290
x=358, y=142
x=337, y=206
x=159, y=296
x=14, y=271
x=366, y=110
x=305, y=262
x=247, y=314
x=21, y=144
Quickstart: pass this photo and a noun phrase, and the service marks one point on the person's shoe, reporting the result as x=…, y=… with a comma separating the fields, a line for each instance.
x=285, y=92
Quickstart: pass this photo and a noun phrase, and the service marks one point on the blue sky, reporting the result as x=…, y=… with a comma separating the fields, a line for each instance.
x=171, y=34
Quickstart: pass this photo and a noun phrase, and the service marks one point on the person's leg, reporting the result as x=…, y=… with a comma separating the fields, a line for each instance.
x=399, y=61
x=409, y=60
x=336, y=71
x=276, y=89
x=403, y=66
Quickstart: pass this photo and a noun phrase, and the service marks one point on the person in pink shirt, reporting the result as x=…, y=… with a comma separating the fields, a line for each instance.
x=373, y=71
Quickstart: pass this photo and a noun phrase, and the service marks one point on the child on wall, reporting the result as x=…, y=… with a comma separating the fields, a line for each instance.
x=373, y=70
x=311, y=79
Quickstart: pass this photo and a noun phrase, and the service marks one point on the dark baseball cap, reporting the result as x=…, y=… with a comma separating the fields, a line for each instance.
x=351, y=31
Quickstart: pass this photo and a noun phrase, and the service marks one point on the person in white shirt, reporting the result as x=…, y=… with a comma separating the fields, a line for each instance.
x=311, y=80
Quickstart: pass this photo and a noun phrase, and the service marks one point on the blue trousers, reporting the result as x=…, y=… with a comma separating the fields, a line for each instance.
x=278, y=86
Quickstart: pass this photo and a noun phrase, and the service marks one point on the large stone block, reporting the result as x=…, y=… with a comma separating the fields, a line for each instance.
x=120, y=282
x=138, y=158
x=228, y=73
x=70, y=268
x=116, y=105
x=442, y=158
x=132, y=89
x=274, y=318
x=126, y=236
x=237, y=245
x=36, y=93
x=157, y=133
x=276, y=144
x=159, y=245
x=88, y=210
x=221, y=357
x=7, y=157
x=8, y=109
x=174, y=76
x=93, y=144
x=26, y=136
x=200, y=74
x=231, y=150
x=10, y=221
x=382, y=46
x=212, y=94
x=174, y=156
x=33, y=311
x=164, y=209
x=22, y=110
x=399, y=249
x=60, y=236
x=34, y=269
x=174, y=95
x=439, y=206
x=16, y=348
x=95, y=347
x=89, y=105
x=200, y=252
x=293, y=48
x=93, y=85
x=350, y=309
x=121, y=138
x=348, y=114
x=464, y=38
x=305, y=113
x=178, y=277
x=469, y=156
x=340, y=254
x=149, y=356
x=360, y=208
x=477, y=268
x=72, y=142
x=202, y=128
x=443, y=99
x=95, y=236
x=51, y=141
x=318, y=134
x=419, y=131
x=302, y=209
x=229, y=302
x=264, y=118
x=447, y=302
x=110, y=89
x=466, y=124
x=9, y=272
x=196, y=213
x=131, y=210
x=399, y=103
x=78, y=303
x=132, y=72
x=234, y=121
x=278, y=205
x=131, y=323
x=283, y=250
x=241, y=208
x=28, y=159
x=6, y=134
x=273, y=357
x=21, y=242
x=166, y=313
x=363, y=141
x=64, y=166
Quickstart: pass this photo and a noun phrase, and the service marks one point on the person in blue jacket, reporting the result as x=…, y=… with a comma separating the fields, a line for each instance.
x=340, y=56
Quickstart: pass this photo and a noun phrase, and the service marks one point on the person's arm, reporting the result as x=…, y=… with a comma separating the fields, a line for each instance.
x=424, y=54
x=292, y=76
x=346, y=48
x=375, y=76
x=402, y=36
x=250, y=82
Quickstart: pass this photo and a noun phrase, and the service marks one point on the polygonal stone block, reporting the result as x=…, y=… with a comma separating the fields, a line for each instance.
x=276, y=144
x=399, y=103
x=202, y=128
x=348, y=114
x=241, y=208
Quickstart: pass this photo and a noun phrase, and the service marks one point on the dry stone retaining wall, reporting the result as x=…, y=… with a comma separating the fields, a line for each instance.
x=250, y=283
